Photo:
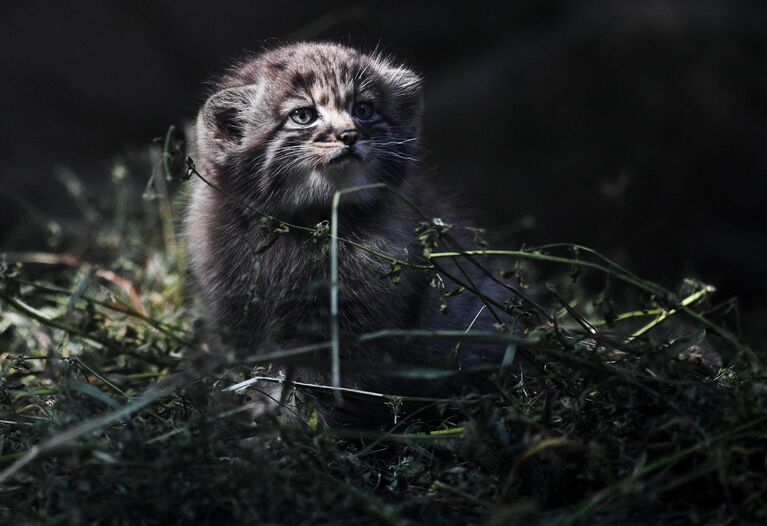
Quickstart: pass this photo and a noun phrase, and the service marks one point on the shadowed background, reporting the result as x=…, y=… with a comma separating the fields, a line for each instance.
x=637, y=128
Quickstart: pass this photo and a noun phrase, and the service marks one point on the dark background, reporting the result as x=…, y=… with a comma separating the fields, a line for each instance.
x=635, y=127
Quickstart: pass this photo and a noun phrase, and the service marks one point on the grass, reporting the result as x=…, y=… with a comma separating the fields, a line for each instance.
x=112, y=410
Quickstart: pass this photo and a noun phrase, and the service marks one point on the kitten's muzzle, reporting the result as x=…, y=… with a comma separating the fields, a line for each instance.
x=346, y=153
x=349, y=136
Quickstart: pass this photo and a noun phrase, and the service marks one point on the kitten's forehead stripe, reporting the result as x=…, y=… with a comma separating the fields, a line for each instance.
x=304, y=80
x=279, y=66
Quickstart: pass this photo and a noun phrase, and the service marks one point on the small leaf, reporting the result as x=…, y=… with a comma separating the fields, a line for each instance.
x=454, y=292
x=394, y=273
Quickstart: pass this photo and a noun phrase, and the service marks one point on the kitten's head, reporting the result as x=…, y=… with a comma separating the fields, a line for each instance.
x=296, y=123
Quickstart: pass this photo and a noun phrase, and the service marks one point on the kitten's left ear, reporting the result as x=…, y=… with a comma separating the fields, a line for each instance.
x=221, y=123
x=224, y=112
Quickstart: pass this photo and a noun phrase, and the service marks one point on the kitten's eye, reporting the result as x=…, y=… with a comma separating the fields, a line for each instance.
x=303, y=116
x=362, y=110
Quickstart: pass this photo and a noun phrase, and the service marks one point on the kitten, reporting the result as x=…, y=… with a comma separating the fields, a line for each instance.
x=282, y=133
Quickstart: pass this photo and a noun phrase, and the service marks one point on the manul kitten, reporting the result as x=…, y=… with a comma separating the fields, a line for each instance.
x=280, y=135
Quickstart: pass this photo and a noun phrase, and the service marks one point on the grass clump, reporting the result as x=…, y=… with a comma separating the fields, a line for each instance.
x=111, y=412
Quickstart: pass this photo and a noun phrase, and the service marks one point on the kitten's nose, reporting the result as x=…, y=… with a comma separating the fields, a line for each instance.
x=348, y=137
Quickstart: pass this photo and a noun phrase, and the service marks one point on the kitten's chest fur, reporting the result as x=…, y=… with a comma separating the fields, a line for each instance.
x=275, y=287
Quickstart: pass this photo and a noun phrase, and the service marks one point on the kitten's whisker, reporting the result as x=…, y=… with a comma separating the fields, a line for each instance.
x=392, y=143
x=387, y=152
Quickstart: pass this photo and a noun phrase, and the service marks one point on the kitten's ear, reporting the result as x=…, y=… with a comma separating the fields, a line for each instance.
x=403, y=81
x=406, y=86
x=221, y=123
x=406, y=81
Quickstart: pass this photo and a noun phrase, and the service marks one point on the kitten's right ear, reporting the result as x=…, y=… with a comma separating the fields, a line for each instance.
x=222, y=121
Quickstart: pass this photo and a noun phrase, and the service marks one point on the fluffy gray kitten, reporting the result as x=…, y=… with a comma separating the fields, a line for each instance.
x=280, y=135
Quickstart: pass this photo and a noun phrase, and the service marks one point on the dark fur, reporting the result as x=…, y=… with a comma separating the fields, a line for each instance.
x=260, y=291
